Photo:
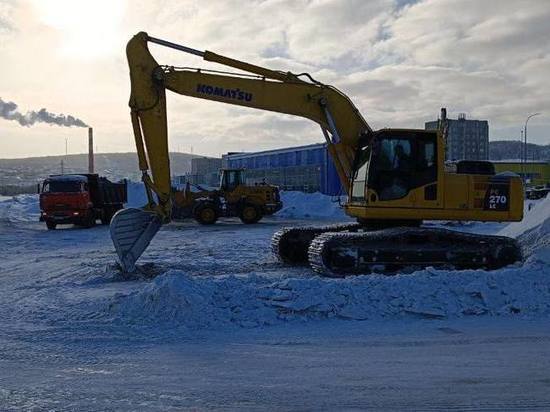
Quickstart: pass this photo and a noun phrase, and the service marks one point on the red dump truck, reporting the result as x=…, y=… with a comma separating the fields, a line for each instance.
x=80, y=199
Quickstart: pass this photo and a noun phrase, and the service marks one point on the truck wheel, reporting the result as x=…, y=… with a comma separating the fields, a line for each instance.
x=50, y=225
x=205, y=214
x=106, y=217
x=89, y=221
x=250, y=214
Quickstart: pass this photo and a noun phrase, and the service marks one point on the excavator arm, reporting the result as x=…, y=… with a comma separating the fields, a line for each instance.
x=344, y=128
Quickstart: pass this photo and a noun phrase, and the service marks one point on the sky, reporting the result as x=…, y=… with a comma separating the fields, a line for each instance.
x=399, y=61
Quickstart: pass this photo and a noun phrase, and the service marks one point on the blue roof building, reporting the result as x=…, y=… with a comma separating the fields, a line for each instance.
x=305, y=168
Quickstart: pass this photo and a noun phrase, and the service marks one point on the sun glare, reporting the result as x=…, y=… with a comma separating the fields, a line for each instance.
x=90, y=28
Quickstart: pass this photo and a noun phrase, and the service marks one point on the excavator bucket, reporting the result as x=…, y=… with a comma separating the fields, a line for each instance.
x=131, y=231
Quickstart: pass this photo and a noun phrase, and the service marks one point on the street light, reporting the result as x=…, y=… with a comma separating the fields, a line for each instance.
x=525, y=140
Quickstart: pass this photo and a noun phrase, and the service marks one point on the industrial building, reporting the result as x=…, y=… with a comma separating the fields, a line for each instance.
x=305, y=168
x=208, y=168
x=534, y=173
x=466, y=139
x=204, y=171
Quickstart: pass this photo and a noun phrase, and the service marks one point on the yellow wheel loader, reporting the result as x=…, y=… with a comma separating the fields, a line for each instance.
x=394, y=178
x=233, y=198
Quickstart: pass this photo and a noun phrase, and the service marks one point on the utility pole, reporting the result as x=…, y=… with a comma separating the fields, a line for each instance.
x=525, y=137
x=62, y=168
x=522, y=155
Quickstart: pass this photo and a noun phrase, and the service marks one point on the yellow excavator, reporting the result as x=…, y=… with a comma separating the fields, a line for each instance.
x=394, y=178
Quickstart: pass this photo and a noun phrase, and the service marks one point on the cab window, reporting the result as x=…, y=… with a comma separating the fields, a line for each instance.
x=395, y=155
x=426, y=154
x=359, y=180
x=426, y=167
x=394, y=165
x=402, y=163
x=60, y=186
x=233, y=178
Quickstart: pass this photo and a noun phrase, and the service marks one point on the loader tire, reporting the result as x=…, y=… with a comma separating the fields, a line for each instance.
x=50, y=225
x=205, y=213
x=250, y=214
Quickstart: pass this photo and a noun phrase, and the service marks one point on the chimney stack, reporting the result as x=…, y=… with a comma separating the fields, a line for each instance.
x=90, y=150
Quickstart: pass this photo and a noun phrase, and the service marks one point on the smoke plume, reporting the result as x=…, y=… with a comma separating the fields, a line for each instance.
x=8, y=111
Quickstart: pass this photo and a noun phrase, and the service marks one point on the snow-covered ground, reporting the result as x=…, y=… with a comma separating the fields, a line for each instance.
x=214, y=321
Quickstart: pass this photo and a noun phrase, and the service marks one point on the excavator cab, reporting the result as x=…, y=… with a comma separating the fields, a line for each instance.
x=395, y=164
x=230, y=179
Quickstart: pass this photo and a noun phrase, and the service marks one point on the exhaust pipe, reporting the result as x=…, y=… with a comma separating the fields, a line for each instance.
x=90, y=150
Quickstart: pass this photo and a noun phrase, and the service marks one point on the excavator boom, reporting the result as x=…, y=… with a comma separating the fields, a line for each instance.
x=260, y=88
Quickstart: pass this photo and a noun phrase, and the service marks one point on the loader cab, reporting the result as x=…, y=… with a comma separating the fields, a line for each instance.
x=393, y=163
x=231, y=179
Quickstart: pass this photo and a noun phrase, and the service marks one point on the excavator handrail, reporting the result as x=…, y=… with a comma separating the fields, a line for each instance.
x=201, y=70
x=176, y=46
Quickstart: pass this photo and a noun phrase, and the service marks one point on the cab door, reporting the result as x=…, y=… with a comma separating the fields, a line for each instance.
x=403, y=171
x=231, y=179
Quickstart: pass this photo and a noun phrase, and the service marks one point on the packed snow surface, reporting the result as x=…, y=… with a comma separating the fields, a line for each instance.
x=299, y=205
x=213, y=321
x=20, y=208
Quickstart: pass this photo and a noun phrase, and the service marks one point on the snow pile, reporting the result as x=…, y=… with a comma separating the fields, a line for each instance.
x=136, y=194
x=250, y=301
x=299, y=205
x=533, y=232
x=21, y=208
x=539, y=212
x=536, y=241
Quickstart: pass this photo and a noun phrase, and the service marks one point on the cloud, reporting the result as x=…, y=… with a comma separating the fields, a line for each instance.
x=399, y=61
x=6, y=17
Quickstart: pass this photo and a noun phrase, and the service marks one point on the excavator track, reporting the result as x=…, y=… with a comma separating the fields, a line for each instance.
x=291, y=245
x=340, y=254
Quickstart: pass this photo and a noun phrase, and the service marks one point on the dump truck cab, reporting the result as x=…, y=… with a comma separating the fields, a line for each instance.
x=80, y=199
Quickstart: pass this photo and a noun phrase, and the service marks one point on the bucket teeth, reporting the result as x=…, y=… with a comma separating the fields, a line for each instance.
x=131, y=231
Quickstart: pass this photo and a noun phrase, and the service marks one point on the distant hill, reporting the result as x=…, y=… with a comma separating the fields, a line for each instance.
x=116, y=166
x=512, y=149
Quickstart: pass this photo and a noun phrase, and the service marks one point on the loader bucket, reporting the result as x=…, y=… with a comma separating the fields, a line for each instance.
x=131, y=231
